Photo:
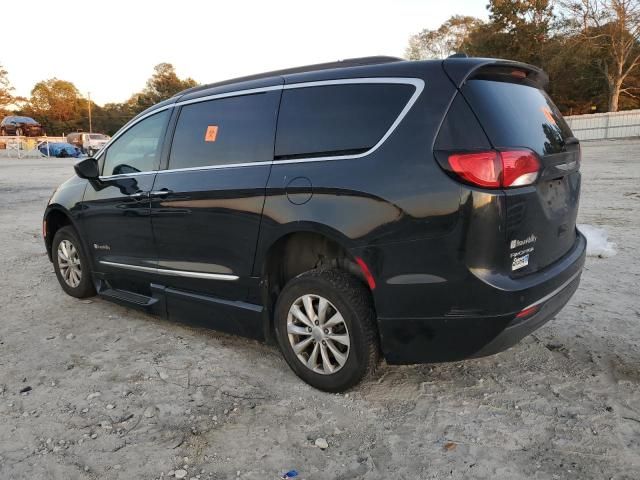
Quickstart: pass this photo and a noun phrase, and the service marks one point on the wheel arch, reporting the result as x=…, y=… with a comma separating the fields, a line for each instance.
x=298, y=249
x=54, y=219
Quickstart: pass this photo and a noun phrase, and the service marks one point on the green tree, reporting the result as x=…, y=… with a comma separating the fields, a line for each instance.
x=444, y=41
x=612, y=28
x=163, y=84
x=517, y=30
x=58, y=106
x=6, y=97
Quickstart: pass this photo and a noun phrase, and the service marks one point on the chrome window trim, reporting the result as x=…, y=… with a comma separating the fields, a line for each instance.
x=236, y=93
x=172, y=273
x=418, y=84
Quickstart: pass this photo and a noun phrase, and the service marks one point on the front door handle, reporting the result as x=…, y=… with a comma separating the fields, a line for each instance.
x=139, y=195
x=161, y=193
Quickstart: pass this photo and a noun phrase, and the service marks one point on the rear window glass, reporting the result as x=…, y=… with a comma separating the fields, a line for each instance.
x=24, y=120
x=225, y=131
x=337, y=119
x=516, y=115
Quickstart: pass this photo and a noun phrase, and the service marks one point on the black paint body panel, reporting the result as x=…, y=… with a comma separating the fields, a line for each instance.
x=436, y=247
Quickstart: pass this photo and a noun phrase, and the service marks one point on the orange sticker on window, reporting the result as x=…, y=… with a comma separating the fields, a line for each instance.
x=211, y=134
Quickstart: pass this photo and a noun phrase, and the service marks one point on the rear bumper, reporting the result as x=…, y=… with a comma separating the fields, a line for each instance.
x=451, y=338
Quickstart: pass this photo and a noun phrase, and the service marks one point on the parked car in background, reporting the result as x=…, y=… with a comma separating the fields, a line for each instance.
x=19, y=126
x=59, y=149
x=88, y=143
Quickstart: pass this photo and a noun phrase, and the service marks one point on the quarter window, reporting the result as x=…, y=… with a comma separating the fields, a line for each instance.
x=225, y=131
x=138, y=149
x=336, y=120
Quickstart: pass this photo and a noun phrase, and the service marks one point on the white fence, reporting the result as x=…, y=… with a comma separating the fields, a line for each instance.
x=26, y=147
x=599, y=126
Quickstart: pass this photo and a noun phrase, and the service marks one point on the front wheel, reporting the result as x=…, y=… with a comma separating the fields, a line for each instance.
x=71, y=264
x=325, y=326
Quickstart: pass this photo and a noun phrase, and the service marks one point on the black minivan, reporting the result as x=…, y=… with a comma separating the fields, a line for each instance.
x=425, y=211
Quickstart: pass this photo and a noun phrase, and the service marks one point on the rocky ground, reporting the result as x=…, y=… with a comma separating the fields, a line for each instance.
x=89, y=389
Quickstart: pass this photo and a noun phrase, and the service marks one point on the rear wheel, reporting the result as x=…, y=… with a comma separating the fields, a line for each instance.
x=71, y=264
x=325, y=326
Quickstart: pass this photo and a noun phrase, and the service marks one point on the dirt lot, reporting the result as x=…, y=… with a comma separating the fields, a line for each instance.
x=119, y=394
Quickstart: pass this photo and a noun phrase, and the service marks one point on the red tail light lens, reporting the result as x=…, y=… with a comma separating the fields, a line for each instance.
x=493, y=169
x=519, y=167
x=482, y=169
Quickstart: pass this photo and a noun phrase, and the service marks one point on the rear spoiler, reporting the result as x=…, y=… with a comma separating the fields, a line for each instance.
x=460, y=70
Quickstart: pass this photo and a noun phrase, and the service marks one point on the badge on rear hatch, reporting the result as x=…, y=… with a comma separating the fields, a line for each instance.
x=515, y=243
x=520, y=262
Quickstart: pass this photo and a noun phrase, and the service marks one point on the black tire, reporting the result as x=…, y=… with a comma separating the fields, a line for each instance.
x=353, y=300
x=85, y=287
x=3, y=133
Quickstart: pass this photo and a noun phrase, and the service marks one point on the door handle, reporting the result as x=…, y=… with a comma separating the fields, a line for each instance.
x=161, y=193
x=138, y=195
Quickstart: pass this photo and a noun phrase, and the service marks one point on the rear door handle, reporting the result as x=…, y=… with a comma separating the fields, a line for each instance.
x=161, y=193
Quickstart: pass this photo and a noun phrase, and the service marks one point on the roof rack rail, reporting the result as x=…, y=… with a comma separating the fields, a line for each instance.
x=349, y=62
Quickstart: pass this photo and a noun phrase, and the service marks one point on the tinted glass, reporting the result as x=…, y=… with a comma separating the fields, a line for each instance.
x=460, y=129
x=24, y=120
x=337, y=119
x=138, y=149
x=516, y=115
x=225, y=131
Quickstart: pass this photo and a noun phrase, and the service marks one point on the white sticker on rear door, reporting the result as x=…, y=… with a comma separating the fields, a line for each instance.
x=520, y=262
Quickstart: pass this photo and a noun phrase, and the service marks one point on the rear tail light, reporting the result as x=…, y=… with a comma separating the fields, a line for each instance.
x=496, y=169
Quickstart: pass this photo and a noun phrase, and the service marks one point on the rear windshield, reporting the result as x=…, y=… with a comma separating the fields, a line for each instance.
x=515, y=115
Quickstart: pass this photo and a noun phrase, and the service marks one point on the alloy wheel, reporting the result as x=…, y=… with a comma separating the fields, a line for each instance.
x=318, y=334
x=69, y=263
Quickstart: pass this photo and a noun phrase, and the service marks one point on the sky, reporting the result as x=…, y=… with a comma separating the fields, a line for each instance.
x=109, y=48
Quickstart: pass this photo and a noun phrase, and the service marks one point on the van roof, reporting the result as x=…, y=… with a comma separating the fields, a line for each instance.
x=458, y=70
x=350, y=62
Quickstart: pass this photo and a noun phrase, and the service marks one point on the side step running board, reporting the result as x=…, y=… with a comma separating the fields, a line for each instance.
x=129, y=297
x=154, y=304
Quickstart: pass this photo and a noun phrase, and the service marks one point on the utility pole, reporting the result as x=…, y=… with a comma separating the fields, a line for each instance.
x=89, y=95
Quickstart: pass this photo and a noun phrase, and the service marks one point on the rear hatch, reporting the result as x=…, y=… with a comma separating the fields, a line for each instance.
x=516, y=114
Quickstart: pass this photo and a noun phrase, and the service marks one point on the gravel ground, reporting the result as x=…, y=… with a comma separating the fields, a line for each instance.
x=118, y=394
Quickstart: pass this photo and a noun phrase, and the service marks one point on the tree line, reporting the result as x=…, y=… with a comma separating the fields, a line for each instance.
x=589, y=48
x=61, y=108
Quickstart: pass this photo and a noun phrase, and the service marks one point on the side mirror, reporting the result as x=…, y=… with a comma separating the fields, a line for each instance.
x=87, y=168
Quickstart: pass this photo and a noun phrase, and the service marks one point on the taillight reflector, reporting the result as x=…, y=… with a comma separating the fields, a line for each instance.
x=527, y=312
x=367, y=273
x=496, y=169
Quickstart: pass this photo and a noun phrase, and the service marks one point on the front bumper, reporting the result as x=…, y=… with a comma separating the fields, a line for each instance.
x=444, y=339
